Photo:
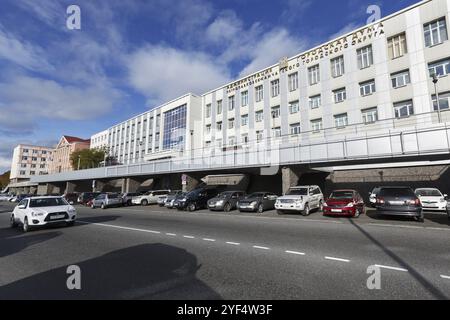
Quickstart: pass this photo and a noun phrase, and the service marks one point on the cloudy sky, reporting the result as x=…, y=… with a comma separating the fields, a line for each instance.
x=130, y=56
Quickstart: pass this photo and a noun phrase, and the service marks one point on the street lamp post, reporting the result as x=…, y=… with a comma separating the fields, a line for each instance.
x=192, y=145
x=435, y=81
x=79, y=161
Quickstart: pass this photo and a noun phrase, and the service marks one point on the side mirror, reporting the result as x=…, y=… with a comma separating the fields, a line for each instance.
x=446, y=196
x=265, y=198
x=71, y=202
x=21, y=207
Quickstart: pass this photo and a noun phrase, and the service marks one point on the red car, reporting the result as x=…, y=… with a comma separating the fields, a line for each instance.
x=344, y=203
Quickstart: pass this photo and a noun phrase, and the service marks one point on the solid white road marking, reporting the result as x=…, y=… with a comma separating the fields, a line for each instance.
x=295, y=252
x=189, y=237
x=337, y=259
x=233, y=243
x=391, y=268
x=210, y=240
x=445, y=277
x=262, y=248
x=119, y=227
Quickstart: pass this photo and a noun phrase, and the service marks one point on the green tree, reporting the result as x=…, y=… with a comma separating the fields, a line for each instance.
x=4, y=180
x=87, y=158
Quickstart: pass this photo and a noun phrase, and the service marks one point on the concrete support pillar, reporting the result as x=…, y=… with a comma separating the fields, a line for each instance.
x=33, y=190
x=99, y=186
x=70, y=187
x=189, y=182
x=290, y=178
x=132, y=185
x=43, y=189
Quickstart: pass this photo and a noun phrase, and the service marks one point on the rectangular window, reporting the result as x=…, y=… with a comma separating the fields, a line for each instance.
x=294, y=107
x=22, y=173
x=24, y=158
x=315, y=102
x=259, y=115
x=316, y=125
x=444, y=101
x=244, y=138
x=275, y=112
x=314, y=75
x=219, y=107
x=208, y=111
x=231, y=123
x=400, y=79
x=365, y=57
x=174, y=134
x=244, y=120
x=370, y=115
x=294, y=128
x=244, y=99
x=339, y=95
x=397, y=46
x=341, y=120
x=219, y=126
x=367, y=88
x=276, y=132
x=231, y=103
x=259, y=93
x=435, y=32
x=23, y=165
x=259, y=135
x=403, y=109
x=337, y=67
x=208, y=129
x=231, y=141
x=293, y=81
x=275, y=88
x=440, y=68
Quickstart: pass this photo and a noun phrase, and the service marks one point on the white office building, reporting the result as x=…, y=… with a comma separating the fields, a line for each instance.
x=29, y=161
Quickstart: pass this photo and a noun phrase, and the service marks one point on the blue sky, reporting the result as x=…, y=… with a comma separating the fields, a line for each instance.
x=133, y=55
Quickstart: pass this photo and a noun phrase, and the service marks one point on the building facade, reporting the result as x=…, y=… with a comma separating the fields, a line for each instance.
x=61, y=154
x=100, y=140
x=372, y=81
x=29, y=161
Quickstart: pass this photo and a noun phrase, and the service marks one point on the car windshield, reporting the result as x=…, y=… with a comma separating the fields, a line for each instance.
x=256, y=195
x=47, y=202
x=224, y=195
x=341, y=195
x=396, y=192
x=428, y=193
x=297, y=192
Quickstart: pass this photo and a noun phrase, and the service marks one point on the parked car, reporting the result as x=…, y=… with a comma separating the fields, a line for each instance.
x=20, y=197
x=258, y=202
x=150, y=197
x=301, y=199
x=196, y=199
x=226, y=201
x=170, y=202
x=432, y=199
x=71, y=198
x=347, y=203
x=106, y=200
x=373, y=196
x=5, y=197
x=41, y=211
x=85, y=197
x=127, y=198
x=399, y=201
x=168, y=197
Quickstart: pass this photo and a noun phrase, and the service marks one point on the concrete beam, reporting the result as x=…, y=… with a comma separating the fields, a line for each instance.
x=70, y=187
x=131, y=185
x=190, y=183
x=290, y=178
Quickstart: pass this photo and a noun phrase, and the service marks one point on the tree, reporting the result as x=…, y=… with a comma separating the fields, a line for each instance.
x=4, y=180
x=87, y=158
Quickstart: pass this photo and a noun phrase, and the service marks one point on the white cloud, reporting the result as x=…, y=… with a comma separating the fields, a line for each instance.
x=225, y=27
x=162, y=73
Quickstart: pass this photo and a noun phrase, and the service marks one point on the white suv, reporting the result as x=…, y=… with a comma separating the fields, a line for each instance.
x=41, y=211
x=301, y=199
x=150, y=197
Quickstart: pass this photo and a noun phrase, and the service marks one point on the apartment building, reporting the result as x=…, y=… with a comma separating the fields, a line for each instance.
x=62, y=152
x=100, y=140
x=28, y=161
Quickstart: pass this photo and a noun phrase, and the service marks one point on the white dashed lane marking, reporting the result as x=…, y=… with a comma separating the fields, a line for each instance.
x=445, y=277
x=337, y=259
x=262, y=248
x=295, y=252
x=233, y=243
x=171, y=234
x=391, y=268
x=210, y=240
x=189, y=237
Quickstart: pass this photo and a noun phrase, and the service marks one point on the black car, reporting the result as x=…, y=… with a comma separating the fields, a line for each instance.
x=196, y=199
x=85, y=197
x=399, y=201
x=226, y=201
x=258, y=202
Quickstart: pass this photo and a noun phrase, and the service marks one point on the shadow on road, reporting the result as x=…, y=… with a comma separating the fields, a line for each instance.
x=147, y=271
x=12, y=241
x=435, y=292
x=438, y=218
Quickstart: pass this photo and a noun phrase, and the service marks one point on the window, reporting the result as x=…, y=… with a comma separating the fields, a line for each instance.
x=231, y=123
x=444, y=101
x=259, y=135
x=275, y=88
x=208, y=111
x=259, y=115
x=244, y=120
x=231, y=103
x=259, y=93
x=244, y=138
x=341, y=120
x=208, y=129
x=276, y=112
x=316, y=125
x=24, y=158
x=370, y=115
x=33, y=159
x=365, y=57
x=440, y=68
x=244, y=99
x=219, y=107
x=23, y=165
x=403, y=109
x=294, y=128
x=219, y=143
x=293, y=81
x=337, y=67
x=33, y=166
x=32, y=173
x=294, y=107
x=339, y=95
x=397, y=46
x=174, y=128
x=276, y=132
x=314, y=75
x=367, y=88
x=231, y=141
x=219, y=126
x=22, y=173
x=400, y=79
x=25, y=150
x=435, y=32
x=315, y=102
x=207, y=144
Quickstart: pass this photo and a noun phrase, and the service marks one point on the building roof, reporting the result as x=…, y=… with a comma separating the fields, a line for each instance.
x=70, y=139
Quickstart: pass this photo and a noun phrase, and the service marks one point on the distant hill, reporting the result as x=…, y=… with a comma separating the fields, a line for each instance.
x=4, y=180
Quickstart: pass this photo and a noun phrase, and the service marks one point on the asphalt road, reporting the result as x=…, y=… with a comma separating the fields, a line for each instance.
x=155, y=253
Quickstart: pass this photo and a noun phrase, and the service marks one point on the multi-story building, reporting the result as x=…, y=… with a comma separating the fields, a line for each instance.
x=373, y=80
x=29, y=161
x=100, y=140
x=61, y=154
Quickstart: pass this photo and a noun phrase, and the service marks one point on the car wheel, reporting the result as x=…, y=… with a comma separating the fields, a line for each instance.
x=357, y=213
x=13, y=222
x=227, y=207
x=260, y=208
x=103, y=206
x=70, y=224
x=320, y=206
x=129, y=203
x=144, y=203
x=191, y=207
x=306, y=211
x=25, y=226
x=92, y=206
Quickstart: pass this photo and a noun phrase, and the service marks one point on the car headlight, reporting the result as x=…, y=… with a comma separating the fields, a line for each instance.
x=37, y=214
x=254, y=203
x=298, y=201
x=442, y=200
x=71, y=210
x=325, y=204
x=350, y=205
x=219, y=203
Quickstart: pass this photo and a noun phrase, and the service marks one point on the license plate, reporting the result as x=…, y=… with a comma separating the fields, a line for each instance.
x=396, y=203
x=336, y=210
x=59, y=216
